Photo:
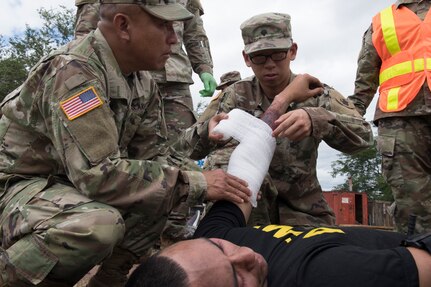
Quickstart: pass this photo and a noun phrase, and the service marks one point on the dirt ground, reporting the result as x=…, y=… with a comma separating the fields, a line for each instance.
x=83, y=282
x=86, y=278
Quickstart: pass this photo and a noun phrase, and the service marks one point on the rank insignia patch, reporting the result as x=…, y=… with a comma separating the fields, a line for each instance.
x=81, y=103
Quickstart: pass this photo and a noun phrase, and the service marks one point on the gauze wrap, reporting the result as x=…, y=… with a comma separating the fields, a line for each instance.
x=251, y=158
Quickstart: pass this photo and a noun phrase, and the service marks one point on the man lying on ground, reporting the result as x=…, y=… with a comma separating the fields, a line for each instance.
x=227, y=253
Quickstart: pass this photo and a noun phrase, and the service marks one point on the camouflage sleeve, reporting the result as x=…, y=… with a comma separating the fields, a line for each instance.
x=195, y=139
x=196, y=42
x=338, y=123
x=80, y=2
x=212, y=108
x=89, y=149
x=367, y=74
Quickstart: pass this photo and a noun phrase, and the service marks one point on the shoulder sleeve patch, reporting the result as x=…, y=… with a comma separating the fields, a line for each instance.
x=81, y=103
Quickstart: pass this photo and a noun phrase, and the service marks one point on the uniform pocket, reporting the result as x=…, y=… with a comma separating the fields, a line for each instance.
x=386, y=145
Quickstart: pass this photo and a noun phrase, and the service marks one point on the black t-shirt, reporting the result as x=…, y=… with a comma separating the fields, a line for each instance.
x=300, y=256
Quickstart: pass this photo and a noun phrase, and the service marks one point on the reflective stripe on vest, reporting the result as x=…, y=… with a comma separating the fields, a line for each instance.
x=404, y=62
x=404, y=68
x=389, y=32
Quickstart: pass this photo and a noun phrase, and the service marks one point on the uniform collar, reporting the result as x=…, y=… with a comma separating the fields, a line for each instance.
x=106, y=56
x=404, y=2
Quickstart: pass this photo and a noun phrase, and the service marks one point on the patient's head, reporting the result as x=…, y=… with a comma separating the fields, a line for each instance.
x=202, y=262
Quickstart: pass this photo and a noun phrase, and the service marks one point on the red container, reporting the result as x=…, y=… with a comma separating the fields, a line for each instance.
x=349, y=207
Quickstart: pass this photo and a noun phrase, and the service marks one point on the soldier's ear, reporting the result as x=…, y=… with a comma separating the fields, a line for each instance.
x=292, y=51
x=122, y=25
x=246, y=59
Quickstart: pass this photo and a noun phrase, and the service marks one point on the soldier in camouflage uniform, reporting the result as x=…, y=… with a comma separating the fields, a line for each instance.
x=73, y=185
x=404, y=134
x=87, y=16
x=269, y=50
x=174, y=82
x=175, y=78
x=228, y=79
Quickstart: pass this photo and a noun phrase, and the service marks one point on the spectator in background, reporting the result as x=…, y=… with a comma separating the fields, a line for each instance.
x=395, y=56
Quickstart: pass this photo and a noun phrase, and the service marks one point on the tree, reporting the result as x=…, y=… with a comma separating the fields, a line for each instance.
x=365, y=171
x=22, y=51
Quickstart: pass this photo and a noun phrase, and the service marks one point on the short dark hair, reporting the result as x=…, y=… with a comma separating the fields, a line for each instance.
x=158, y=271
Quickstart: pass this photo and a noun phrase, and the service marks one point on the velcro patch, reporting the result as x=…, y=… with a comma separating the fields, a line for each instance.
x=81, y=103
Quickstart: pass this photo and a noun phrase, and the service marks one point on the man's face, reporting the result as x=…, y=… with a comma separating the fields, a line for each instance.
x=274, y=72
x=150, y=41
x=217, y=262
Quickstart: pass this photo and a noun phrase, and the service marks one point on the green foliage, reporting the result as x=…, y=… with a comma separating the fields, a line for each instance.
x=364, y=168
x=22, y=51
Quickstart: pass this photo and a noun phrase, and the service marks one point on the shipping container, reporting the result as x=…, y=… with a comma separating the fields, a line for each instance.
x=349, y=207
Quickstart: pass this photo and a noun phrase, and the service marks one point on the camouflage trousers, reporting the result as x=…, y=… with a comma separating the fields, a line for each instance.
x=178, y=108
x=87, y=16
x=405, y=146
x=302, y=203
x=52, y=232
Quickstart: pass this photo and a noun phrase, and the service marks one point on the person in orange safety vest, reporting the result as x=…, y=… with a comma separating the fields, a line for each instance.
x=396, y=58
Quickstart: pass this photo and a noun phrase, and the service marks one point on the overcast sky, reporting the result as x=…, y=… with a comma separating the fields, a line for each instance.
x=328, y=33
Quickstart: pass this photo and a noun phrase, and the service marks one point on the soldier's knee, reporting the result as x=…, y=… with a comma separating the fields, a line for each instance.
x=98, y=228
x=108, y=227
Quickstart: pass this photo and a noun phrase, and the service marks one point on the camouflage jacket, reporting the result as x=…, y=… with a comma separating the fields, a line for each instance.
x=368, y=70
x=334, y=120
x=197, y=54
x=80, y=2
x=114, y=152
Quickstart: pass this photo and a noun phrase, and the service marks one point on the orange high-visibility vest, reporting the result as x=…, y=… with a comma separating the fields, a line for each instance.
x=403, y=42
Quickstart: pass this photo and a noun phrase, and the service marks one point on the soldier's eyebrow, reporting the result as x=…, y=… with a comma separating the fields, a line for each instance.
x=235, y=279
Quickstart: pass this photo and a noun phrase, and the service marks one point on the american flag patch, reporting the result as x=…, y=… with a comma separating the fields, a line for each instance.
x=81, y=103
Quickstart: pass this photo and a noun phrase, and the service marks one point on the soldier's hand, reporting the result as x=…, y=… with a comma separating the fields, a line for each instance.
x=214, y=121
x=294, y=125
x=210, y=84
x=304, y=86
x=221, y=185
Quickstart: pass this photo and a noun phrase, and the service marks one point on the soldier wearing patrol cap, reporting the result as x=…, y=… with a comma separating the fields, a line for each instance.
x=75, y=191
x=228, y=79
x=291, y=193
x=191, y=53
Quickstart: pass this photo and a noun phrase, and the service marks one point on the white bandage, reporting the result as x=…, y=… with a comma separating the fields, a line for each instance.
x=251, y=158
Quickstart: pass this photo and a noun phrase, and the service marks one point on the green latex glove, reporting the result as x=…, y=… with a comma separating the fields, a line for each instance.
x=210, y=85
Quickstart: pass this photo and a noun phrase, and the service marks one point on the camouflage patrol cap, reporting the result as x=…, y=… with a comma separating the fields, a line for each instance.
x=229, y=78
x=267, y=31
x=168, y=10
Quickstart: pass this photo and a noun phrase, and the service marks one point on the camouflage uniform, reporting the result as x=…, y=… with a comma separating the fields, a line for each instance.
x=174, y=83
x=174, y=80
x=72, y=185
x=404, y=139
x=291, y=193
x=292, y=175
x=87, y=16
